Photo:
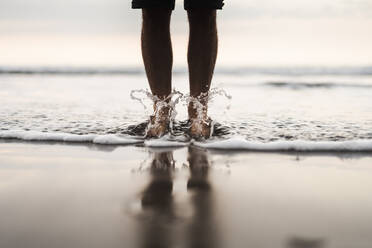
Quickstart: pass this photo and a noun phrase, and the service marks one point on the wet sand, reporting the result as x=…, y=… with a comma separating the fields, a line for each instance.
x=57, y=195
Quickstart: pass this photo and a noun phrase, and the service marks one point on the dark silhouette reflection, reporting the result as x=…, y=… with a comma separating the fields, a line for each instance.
x=298, y=242
x=160, y=225
x=202, y=231
x=157, y=203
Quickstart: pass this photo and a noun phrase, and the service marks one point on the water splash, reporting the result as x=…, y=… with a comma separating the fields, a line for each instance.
x=208, y=97
x=141, y=99
x=200, y=105
x=216, y=91
x=165, y=109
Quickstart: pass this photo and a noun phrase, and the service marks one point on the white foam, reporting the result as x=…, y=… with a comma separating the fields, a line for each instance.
x=235, y=143
x=66, y=137
x=239, y=143
x=111, y=139
x=164, y=143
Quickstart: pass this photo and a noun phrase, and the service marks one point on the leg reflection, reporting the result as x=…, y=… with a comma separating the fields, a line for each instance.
x=202, y=231
x=157, y=203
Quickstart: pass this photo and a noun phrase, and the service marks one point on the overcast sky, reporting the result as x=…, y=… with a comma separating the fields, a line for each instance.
x=116, y=16
x=265, y=31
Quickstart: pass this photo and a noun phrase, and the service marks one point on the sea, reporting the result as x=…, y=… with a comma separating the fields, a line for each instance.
x=253, y=108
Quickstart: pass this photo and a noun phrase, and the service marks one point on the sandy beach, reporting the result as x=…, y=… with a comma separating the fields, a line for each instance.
x=84, y=195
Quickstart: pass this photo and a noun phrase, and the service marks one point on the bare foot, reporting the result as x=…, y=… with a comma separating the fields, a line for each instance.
x=159, y=121
x=201, y=124
x=200, y=128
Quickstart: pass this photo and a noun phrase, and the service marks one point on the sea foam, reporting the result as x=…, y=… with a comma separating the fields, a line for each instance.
x=164, y=143
x=239, y=143
x=234, y=143
x=109, y=139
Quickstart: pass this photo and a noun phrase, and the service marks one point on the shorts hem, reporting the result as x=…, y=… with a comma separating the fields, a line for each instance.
x=188, y=5
x=144, y=5
x=202, y=7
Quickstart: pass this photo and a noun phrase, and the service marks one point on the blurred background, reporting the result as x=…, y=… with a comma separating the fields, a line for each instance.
x=252, y=33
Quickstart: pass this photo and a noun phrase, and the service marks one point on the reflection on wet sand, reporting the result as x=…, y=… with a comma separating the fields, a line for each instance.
x=298, y=242
x=202, y=230
x=157, y=203
x=160, y=226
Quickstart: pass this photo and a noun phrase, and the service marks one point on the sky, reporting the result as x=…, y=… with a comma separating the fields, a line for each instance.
x=251, y=33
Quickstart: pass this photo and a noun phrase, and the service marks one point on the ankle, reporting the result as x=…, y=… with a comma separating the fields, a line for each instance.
x=197, y=111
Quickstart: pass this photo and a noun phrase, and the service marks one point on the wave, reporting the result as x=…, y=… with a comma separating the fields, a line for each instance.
x=306, y=85
x=234, y=143
x=300, y=71
x=71, y=70
x=240, y=70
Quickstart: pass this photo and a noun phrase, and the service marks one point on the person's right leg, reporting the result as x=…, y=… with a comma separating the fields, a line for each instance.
x=157, y=50
x=157, y=57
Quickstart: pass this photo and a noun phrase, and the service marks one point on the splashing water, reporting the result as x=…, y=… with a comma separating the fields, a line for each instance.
x=161, y=106
x=168, y=105
x=141, y=99
x=200, y=104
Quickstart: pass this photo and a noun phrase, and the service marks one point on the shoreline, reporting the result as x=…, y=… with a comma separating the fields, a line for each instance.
x=110, y=148
x=232, y=144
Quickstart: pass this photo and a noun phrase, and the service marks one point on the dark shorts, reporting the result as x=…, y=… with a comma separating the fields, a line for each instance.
x=169, y=4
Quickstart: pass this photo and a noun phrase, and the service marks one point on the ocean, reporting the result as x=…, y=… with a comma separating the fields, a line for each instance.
x=253, y=108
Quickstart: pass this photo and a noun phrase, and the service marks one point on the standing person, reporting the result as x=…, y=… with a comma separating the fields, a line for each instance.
x=157, y=56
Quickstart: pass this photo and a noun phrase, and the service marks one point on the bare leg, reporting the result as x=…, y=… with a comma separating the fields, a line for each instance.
x=202, y=54
x=157, y=50
x=158, y=58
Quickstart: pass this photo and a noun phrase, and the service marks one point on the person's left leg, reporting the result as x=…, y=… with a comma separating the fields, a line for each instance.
x=158, y=58
x=202, y=54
